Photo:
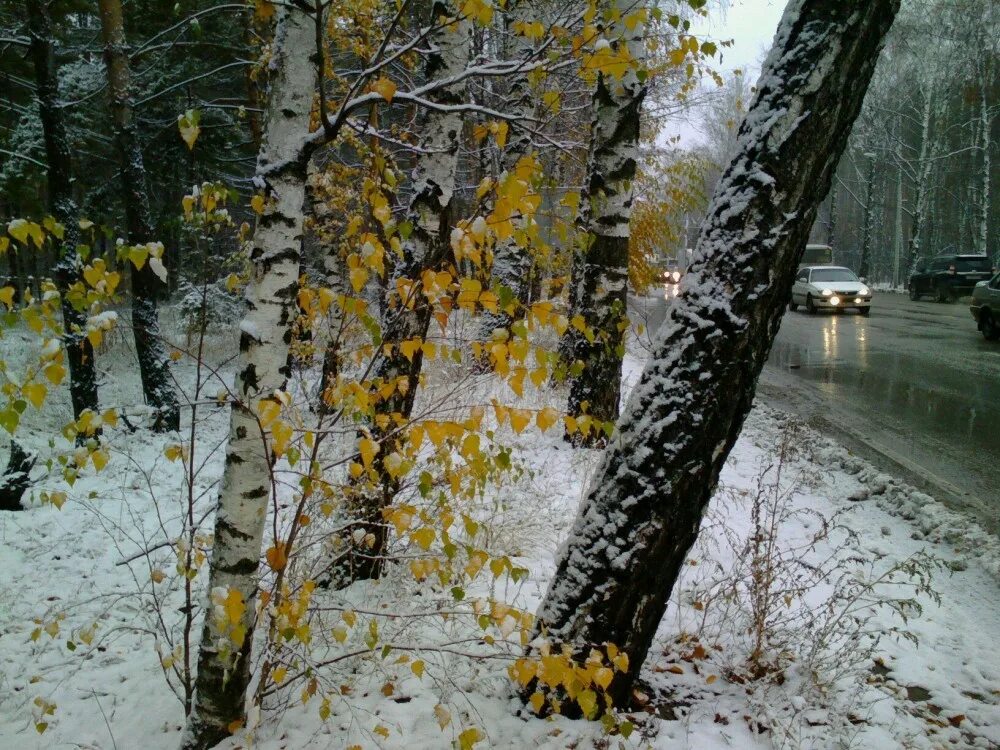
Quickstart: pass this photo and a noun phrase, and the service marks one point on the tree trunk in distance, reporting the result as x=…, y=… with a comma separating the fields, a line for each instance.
x=644, y=505
x=154, y=365
x=68, y=268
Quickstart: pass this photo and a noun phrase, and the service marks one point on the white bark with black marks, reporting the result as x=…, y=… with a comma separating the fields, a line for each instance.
x=644, y=505
x=512, y=262
x=599, y=284
x=220, y=691
x=429, y=213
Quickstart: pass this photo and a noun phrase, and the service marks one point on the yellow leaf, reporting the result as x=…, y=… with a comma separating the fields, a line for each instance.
x=587, y=700
x=187, y=123
x=409, y=348
x=55, y=373
x=519, y=419
x=423, y=537
x=268, y=410
x=368, y=449
x=537, y=700
x=603, y=677
x=7, y=296
x=35, y=393
x=233, y=605
x=279, y=675
x=359, y=277
x=384, y=88
x=546, y=418
x=277, y=557
x=340, y=634
x=621, y=662
x=100, y=458
x=501, y=134
x=417, y=668
x=138, y=256
x=470, y=737
x=257, y=204
x=443, y=715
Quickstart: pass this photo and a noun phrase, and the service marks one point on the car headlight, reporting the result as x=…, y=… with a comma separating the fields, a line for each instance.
x=827, y=292
x=677, y=275
x=865, y=291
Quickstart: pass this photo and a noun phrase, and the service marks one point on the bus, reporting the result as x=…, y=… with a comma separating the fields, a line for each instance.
x=817, y=255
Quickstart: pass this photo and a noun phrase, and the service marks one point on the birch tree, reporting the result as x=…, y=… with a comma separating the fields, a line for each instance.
x=227, y=635
x=427, y=248
x=511, y=260
x=644, y=505
x=146, y=285
x=598, y=289
x=63, y=206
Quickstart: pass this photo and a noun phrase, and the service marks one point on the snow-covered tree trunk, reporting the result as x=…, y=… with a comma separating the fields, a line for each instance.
x=62, y=203
x=224, y=664
x=922, y=187
x=154, y=365
x=429, y=213
x=644, y=504
x=512, y=262
x=599, y=285
x=868, y=229
x=985, y=129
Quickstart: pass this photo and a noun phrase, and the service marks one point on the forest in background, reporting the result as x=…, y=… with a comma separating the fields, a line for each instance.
x=417, y=224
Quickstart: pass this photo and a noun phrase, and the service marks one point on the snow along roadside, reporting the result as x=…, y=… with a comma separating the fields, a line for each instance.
x=933, y=521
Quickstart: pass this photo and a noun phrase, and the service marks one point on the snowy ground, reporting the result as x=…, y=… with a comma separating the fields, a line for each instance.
x=847, y=550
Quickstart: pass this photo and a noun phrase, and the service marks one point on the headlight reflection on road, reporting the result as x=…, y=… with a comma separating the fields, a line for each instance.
x=830, y=344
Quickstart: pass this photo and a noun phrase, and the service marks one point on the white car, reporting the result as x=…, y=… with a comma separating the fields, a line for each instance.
x=830, y=288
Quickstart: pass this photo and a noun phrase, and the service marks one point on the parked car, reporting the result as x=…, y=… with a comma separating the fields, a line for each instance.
x=985, y=307
x=948, y=277
x=830, y=288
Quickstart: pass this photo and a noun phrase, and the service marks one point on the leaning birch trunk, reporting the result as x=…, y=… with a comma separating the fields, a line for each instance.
x=62, y=203
x=154, y=365
x=429, y=213
x=599, y=287
x=511, y=261
x=224, y=655
x=644, y=505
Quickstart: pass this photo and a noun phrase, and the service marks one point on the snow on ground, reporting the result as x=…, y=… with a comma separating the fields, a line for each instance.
x=849, y=671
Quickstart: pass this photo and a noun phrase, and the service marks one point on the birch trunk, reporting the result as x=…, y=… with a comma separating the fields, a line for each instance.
x=429, y=213
x=599, y=285
x=868, y=230
x=62, y=203
x=222, y=680
x=154, y=365
x=921, y=189
x=511, y=262
x=644, y=505
x=986, y=127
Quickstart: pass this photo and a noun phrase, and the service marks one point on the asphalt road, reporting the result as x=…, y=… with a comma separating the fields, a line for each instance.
x=914, y=388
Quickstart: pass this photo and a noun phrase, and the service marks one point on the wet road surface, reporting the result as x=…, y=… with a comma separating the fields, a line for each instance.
x=914, y=387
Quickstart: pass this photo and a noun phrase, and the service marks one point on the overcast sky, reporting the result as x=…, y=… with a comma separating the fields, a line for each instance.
x=750, y=24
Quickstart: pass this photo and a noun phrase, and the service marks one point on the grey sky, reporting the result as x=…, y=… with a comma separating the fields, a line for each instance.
x=751, y=25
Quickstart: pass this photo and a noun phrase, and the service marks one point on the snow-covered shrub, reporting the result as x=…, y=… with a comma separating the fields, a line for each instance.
x=207, y=306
